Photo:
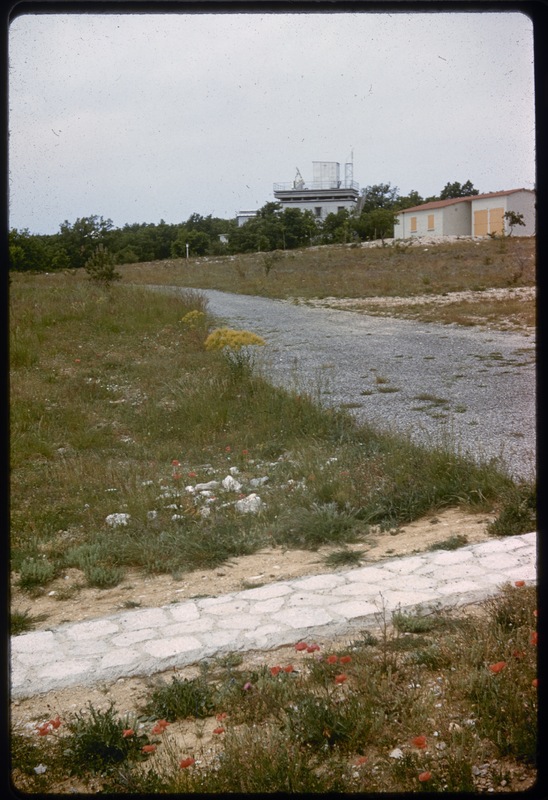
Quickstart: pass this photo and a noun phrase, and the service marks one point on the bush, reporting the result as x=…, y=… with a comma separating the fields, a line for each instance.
x=518, y=513
x=98, y=742
x=101, y=267
x=35, y=572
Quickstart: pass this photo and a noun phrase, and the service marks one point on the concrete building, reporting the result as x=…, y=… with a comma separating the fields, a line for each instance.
x=325, y=194
x=244, y=216
x=477, y=215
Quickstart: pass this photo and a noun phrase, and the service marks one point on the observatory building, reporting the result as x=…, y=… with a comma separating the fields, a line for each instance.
x=325, y=194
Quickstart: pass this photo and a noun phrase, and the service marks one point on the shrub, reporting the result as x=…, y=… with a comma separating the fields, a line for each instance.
x=35, y=572
x=98, y=743
x=518, y=512
x=101, y=267
x=181, y=699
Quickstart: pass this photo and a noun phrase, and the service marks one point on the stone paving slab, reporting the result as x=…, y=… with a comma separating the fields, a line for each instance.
x=148, y=641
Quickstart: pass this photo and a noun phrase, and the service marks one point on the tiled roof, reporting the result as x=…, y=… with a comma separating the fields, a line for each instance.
x=453, y=200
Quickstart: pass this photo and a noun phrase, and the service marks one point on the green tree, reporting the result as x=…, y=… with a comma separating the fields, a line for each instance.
x=81, y=239
x=336, y=228
x=451, y=190
x=298, y=227
x=198, y=243
x=409, y=201
x=376, y=224
x=380, y=195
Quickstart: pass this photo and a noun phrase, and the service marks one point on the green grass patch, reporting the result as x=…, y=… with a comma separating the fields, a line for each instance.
x=123, y=413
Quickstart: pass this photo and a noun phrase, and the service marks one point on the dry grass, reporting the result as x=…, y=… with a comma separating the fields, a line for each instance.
x=361, y=273
x=349, y=271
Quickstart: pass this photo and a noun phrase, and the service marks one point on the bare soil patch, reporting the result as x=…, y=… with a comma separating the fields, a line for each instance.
x=511, y=309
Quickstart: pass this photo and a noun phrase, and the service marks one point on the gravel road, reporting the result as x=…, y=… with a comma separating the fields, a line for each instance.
x=470, y=387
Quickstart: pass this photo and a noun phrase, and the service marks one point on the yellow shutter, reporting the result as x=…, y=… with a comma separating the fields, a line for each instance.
x=413, y=224
x=496, y=221
x=430, y=222
x=480, y=223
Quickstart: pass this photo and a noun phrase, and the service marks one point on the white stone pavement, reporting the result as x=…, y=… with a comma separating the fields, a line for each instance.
x=149, y=641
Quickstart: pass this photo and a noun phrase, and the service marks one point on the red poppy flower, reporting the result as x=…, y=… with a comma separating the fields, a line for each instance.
x=127, y=732
x=498, y=667
x=219, y=730
x=221, y=715
x=289, y=668
x=186, y=762
x=340, y=678
x=534, y=682
x=518, y=653
x=419, y=741
x=332, y=659
x=148, y=748
x=312, y=648
x=55, y=723
x=160, y=726
x=301, y=646
x=425, y=776
x=275, y=670
x=519, y=583
x=175, y=463
x=534, y=638
x=228, y=448
x=177, y=476
x=535, y=613
x=360, y=760
x=191, y=474
x=44, y=729
x=345, y=659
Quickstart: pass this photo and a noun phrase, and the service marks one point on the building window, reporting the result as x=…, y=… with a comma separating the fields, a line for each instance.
x=318, y=211
x=496, y=220
x=431, y=222
x=413, y=224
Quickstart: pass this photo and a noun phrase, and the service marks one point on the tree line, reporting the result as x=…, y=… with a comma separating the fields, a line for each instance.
x=273, y=228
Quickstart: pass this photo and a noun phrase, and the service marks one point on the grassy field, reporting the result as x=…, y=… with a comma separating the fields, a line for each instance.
x=398, y=270
x=117, y=406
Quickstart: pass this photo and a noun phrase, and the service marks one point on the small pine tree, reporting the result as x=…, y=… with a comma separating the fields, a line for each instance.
x=101, y=266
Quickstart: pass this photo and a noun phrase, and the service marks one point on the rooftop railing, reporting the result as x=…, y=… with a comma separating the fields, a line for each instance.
x=314, y=186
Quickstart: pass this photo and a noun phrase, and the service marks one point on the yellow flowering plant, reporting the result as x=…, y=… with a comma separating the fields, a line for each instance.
x=194, y=319
x=222, y=338
x=235, y=346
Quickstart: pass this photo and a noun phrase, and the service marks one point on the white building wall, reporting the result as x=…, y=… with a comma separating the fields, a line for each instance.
x=523, y=203
x=403, y=230
x=456, y=220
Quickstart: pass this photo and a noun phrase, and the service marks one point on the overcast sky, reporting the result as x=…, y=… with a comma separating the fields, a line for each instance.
x=139, y=118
